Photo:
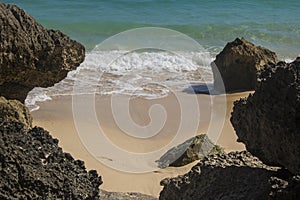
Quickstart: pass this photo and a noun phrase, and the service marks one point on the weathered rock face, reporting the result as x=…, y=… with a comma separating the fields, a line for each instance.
x=268, y=122
x=237, y=175
x=32, y=166
x=238, y=64
x=286, y=187
x=31, y=55
x=191, y=150
x=13, y=110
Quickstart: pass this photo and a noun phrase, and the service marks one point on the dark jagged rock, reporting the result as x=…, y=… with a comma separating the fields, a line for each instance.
x=31, y=55
x=193, y=149
x=124, y=196
x=13, y=110
x=32, y=166
x=238, y=64
x=287, y=188
x=237, y=175
x=268, y=122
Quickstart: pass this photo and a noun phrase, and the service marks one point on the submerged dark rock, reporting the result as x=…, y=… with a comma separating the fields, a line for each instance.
x=268, y=122
x=238, y=64
x=191, y=150
x=31, y=55
x=32, y=166
x=237, y=175
x=13, y=110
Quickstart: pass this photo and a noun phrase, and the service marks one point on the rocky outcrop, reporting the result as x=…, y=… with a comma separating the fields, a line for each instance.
x=238, y=64
x=191, y=150
x=13, y=110
x=32, y=166
x=124, y=196
x=31, y=55
x=287, y=187
x=268, y=122
x=237, y=175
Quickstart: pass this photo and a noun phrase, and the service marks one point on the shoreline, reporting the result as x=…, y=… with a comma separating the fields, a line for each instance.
x=117, y=139
x=56, y=117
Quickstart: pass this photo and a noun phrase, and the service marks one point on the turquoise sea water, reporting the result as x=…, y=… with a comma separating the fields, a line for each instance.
x=273, y=24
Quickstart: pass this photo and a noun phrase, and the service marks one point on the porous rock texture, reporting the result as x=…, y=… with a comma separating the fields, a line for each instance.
x=268, y=122
x=237, y=175
x=189, y=151
x=32, y=166
x=236, y=66
x=31, y=55
x=13, y=110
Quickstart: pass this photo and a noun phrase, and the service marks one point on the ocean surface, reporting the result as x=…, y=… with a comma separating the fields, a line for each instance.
x=273, y=24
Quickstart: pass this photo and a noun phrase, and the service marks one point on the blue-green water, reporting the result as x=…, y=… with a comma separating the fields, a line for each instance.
x=274, y=24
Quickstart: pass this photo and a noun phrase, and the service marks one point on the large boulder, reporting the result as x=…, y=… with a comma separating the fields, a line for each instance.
x=268, y=122
x=233, y=176
x=13, y=110
x=189, y=151
x=237, y=65
x=32, y=166
x=31, y=55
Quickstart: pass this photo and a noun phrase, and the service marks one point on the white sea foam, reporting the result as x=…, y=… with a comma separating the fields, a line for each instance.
x=289, y=60
x=149, y=74
x=37, y=94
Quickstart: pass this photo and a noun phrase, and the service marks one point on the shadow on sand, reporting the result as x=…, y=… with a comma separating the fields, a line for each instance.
x=209, y=90
x=201, y=89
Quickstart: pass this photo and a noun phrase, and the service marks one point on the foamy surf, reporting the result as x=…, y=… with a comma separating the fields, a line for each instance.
x=148, y=74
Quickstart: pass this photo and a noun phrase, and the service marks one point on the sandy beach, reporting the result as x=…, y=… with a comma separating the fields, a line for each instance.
x=56, y=116
x=97, y=100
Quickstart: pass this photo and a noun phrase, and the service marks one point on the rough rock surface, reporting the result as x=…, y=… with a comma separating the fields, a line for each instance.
x=31, y=55
x=32, y=166
x=286, y=187
x=237, y=175
x=191, y=150
x=124, y=196
x=238, y=64
x=268, y=122
x=13, y=110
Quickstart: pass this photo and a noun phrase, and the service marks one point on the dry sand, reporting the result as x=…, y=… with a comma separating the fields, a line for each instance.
x=56, y=116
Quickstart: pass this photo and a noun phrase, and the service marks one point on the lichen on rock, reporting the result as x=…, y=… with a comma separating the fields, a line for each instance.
x=13, y=110
x=189, y=151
